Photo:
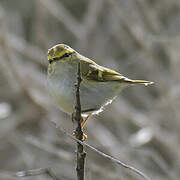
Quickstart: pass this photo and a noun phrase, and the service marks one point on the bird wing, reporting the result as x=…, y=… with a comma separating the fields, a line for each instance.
x=101, y=74
x=98, y=73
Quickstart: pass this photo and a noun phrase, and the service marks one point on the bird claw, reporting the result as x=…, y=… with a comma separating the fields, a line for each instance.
x=84, y=136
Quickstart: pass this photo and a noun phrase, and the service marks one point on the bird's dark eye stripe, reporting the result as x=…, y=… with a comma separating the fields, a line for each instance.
x=65, y=55
x=58, y=58
x=55, y=58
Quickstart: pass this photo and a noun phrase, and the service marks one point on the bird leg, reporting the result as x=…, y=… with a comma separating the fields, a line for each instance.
x=82, y=126
x=85, y=121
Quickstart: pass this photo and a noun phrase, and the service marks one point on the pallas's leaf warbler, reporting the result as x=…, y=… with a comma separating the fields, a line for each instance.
x=99, y=85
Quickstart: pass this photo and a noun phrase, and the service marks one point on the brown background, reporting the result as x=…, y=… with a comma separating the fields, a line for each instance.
x=138, y=38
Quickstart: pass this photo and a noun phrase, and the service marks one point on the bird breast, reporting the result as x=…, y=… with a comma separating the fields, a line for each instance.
x=93, y=95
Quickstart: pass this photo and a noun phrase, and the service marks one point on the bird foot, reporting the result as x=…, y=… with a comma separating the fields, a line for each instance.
x=84, y=136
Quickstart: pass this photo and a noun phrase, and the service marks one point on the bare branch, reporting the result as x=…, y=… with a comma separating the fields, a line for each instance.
x=138, y=172
x=26, y=173
x=35, y=172
x=78, y=130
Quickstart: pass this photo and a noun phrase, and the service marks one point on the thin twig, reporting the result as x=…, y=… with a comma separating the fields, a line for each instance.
x=78, y=130
x=138, y=172
x=35, y=172
x=57, y=9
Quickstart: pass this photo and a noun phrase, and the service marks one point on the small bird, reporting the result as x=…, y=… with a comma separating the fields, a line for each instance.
x=99, y=86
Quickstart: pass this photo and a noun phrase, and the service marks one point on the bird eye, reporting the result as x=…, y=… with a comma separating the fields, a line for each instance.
x=66, y=55
x=55, y=58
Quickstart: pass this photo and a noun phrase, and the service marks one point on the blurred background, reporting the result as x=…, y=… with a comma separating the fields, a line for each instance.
x=138, y=38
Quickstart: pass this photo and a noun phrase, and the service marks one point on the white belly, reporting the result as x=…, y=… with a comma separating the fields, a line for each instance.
x=93, y=95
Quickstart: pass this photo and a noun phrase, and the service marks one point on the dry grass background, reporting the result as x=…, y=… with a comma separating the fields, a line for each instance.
x=139, y=38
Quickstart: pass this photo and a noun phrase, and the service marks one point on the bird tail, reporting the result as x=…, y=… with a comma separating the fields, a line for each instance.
x=130, y=81
x=143, y=82
x=123, y=79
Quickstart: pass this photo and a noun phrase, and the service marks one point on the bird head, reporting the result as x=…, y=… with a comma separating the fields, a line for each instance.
x=61, y=53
